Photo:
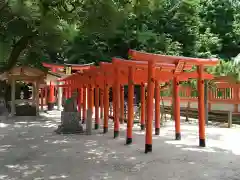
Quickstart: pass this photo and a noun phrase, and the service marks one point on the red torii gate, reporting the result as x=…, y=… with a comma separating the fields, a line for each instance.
x=180, y=63
x=60, y=67
x=143, y=68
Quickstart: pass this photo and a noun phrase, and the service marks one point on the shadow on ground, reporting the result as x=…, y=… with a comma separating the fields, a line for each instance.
x=30, y=150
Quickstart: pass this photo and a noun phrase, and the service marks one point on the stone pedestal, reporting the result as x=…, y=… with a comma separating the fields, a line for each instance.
x=70, y=123
x=26, y=110
x=70, y=119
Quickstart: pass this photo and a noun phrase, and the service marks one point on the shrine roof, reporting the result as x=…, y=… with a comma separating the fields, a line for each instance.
x=74, y=66
x=29, y=74
x=21, y=72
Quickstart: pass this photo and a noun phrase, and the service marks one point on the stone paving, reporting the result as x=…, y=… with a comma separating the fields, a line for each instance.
x=30, y=150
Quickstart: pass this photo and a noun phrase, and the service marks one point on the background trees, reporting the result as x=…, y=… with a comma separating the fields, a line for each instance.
x=83, y=31
x=31, y=30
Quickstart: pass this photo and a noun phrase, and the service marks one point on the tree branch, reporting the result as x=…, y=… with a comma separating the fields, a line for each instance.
x=20, y=45
x=3, y=6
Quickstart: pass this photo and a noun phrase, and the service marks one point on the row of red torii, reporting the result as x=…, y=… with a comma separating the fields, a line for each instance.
x=142, y=68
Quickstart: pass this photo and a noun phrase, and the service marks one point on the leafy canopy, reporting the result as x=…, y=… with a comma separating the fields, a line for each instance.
x=83, y=31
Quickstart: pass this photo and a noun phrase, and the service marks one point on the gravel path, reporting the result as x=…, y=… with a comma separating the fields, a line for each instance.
x=29, y=150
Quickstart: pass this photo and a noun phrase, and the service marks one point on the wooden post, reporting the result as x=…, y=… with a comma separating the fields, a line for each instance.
x=97, y=107
x=229, y=119
x=188, y=94
x=122, y=104
x=51, y=97
x=209, y=100
x=130, y=106
x=46, y=95
x=89, y=110
x=60, y=92
x=89, y=99
x=93, y=98
x=157, y=108
x=172, y=100
x=236, y=97
x=146, y=107
x=112, y=111
x=70, y=89
x=80, y=102
x=187, y=111
x=150, y=97
x=143, y=106
x=84, y=115
x=112, y=108
x=106, y=107
x=117, y=104
x=37, y=97
x=66, y=91
x=201, y=109
x=101, y=103
x=34, y=93
x=42, y=99
x=206, y=100
x=13, y=91
x=81, y=92
x=176, y=108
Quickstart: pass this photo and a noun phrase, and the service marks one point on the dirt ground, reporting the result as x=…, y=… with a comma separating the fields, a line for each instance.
x=30, y=150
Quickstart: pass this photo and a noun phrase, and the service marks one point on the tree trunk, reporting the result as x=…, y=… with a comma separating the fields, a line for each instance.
x=16, y=51
x=3, y=6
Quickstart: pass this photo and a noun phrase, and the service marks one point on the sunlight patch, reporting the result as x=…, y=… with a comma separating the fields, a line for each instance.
x=3, y=176
x=17, y=167
x=199, y=149
x=58, y=177
x=30, y=172
x=60, y=142
x=3, y=150
x=2, y=125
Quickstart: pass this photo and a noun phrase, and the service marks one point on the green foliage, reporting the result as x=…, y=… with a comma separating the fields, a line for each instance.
x=30, y=30
x=83, y=31
x=222, y=17
x=187, y=27
x=208, y=44
x=226, y=68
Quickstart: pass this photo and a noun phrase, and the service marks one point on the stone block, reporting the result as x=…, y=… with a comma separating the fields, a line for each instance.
x=70, y=123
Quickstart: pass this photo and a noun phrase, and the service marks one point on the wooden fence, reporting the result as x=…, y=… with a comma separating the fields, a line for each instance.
x=225, y=95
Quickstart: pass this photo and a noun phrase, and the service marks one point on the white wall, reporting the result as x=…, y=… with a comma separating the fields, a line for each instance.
x=222, y=107
x=214, y=106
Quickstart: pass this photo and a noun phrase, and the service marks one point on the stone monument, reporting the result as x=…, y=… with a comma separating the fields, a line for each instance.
x=70, y=120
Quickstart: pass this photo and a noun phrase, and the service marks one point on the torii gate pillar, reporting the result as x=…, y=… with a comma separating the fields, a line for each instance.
x=150, y=96
x=201, y=109
x=176, y=108
x=51, y=96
